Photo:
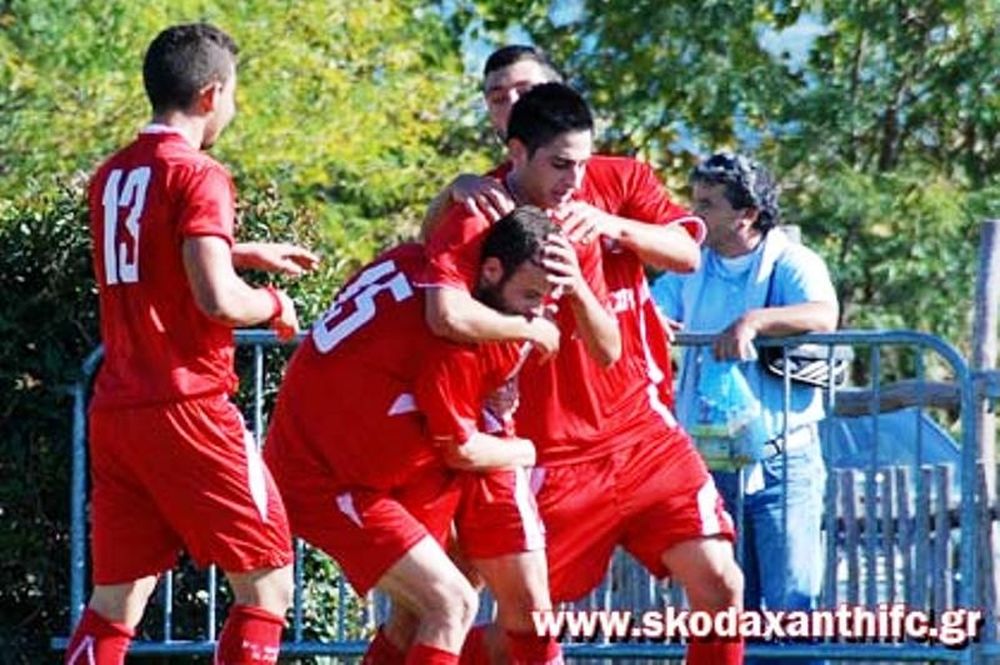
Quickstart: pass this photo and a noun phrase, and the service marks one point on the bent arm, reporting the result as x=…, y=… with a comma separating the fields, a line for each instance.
x=598, y=328
x=484, y=452
x=454, y=314
x=218, y=291
x=793, y=319
x=435, y=213
x=668, y=247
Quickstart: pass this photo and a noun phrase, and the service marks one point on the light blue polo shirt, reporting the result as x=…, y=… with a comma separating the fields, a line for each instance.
x=719, y=293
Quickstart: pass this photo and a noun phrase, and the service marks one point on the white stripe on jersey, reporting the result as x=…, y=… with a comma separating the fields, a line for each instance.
x=345, y=503
x=531, y=522
x=256, y=481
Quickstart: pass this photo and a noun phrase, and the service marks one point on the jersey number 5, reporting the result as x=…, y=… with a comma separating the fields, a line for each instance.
x=359, y=299
x=121, y=252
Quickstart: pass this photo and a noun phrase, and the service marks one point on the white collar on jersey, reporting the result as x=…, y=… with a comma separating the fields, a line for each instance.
x=160, y=128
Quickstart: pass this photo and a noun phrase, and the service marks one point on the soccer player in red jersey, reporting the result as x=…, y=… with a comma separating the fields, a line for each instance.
x=172, y=466
x=376, y=414
x=611, y=455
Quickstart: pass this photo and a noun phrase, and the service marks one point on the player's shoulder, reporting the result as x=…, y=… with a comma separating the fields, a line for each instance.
x=458, y=220
x=618, y=175
x=170, y=155
x=616, y=165
x=409, y=257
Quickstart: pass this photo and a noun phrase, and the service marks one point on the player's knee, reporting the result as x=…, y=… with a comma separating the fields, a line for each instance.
x=123, y=603
x=270, y=589
x=453, y=604
x=720, y=586
x=515, y=607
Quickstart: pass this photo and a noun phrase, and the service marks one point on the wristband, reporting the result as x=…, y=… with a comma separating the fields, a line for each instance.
x=278, y=308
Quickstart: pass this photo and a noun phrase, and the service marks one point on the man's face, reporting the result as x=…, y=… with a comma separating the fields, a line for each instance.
x=727, y=226
x=224, y=111
x=522, y=293
x=551, y=176
x=503, y=87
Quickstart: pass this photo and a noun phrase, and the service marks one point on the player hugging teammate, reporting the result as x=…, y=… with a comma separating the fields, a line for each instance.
x=496, y=399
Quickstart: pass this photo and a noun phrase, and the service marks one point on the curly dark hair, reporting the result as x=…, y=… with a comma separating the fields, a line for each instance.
x=748, y=184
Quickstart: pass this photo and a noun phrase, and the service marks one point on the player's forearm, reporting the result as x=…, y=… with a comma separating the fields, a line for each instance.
x=243, y=256
x=662, y=247
x=240, y=305
x=597, y=327
x=218, y=291
x=485, y=452
x=456, y=315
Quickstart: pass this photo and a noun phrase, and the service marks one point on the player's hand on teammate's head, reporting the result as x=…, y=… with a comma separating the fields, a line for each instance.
x=482, y=196
x=544, y=334
x=562, y=264
x=286, y=325
x=580, y=221
x=281, y=257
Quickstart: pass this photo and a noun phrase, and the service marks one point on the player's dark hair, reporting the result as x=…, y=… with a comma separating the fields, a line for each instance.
x=747, y=185
x=182, y=60
x=546, y=112
x=514, y=53
x=518, y=237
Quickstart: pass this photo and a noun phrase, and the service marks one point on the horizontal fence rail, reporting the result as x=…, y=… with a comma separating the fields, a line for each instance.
x=919, y=534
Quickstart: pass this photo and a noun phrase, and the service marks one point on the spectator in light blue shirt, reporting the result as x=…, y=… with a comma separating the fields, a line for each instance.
x=754, y=281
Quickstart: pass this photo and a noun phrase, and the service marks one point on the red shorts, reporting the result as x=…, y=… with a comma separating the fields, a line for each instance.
x=498, y=515
x=646, y=498
x=181, y=475
x=368, y=531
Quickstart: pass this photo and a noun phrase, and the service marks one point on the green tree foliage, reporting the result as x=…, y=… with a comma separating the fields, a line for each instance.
x=883, y=126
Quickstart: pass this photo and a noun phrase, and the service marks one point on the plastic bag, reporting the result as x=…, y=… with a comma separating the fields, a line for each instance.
x=727, y=428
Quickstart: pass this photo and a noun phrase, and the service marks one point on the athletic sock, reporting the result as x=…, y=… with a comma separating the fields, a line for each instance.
x=97, y=641
x=532, y=649
x=425, y=654
x=382, y=651
x=251, y=636
x=714, y=651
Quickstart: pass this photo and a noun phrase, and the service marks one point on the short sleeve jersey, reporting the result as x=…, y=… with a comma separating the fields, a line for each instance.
x=371, y=358
x=144, y=201
x=558, y=398
x=573, y=409
x=630, y=400
x=631, y=189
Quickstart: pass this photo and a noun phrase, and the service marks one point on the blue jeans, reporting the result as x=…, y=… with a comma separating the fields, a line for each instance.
x=779, y=576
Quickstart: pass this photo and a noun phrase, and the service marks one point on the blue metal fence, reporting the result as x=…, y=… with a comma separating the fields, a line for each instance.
x=901, y=534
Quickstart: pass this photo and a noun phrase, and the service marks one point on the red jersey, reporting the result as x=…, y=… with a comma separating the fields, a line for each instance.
x=370, y=368
x=573, y=409
x=553, y=396
x=144, y=201
x=628, y=188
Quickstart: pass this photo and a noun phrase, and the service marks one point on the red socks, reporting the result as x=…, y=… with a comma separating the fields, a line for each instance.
x=97, y=641
x=714, y=652
x=251, y=636
x=532, y=649
x=382, y=651
x=424, y=654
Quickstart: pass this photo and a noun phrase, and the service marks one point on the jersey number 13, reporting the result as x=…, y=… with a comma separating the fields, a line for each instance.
x=121, y=250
